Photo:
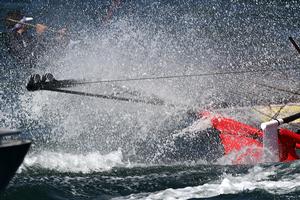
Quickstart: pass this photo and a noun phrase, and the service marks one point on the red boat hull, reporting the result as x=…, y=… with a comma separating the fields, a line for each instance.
x=245, y=142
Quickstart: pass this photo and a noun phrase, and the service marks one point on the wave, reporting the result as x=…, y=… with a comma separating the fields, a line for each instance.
x=68, y=162
x=274, y=180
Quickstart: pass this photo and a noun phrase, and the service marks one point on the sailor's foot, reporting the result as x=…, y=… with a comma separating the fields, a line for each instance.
x=47, y=78
x=34, y=82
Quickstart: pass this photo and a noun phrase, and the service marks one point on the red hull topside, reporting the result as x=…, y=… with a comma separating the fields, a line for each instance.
x=246, y=141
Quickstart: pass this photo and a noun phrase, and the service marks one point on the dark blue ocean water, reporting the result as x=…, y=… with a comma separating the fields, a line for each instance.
x=88, y=148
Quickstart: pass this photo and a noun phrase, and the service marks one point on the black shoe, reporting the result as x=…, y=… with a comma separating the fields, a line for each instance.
x=47, y=78
x=34, y=82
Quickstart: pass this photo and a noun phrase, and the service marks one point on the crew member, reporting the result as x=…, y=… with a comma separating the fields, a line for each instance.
x=24, y=45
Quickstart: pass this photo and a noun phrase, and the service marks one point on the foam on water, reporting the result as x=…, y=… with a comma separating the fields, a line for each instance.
x=257, y=177
x=76, y=163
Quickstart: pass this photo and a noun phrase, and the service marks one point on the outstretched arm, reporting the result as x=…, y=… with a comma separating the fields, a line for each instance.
x=40, y=28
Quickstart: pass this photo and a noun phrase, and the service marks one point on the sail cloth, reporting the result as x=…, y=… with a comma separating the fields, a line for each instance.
x=281, y=109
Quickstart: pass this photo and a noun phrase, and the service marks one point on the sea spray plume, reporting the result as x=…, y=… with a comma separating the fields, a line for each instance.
x=154, y=38
x=116, y=53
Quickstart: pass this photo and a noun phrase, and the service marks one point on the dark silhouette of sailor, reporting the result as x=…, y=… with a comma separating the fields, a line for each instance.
x=21, y=43
x=26, y=45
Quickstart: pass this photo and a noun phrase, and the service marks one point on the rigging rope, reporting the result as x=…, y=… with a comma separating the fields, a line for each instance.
x=179, y=76
x=279, y=89
x=298, y=50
